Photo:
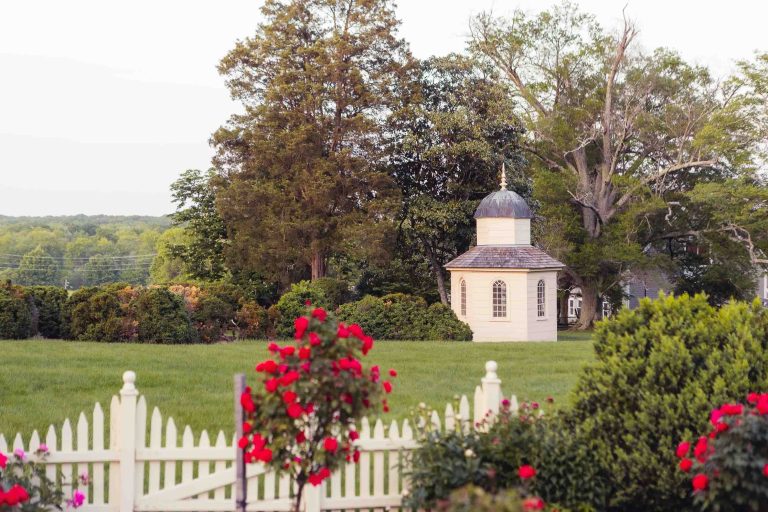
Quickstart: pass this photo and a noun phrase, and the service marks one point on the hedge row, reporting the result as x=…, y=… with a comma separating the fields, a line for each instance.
x=188, y=313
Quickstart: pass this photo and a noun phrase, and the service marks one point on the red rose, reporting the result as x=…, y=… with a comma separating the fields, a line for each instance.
x=3, y=460
x=700, y=449
x=243, y=442
x=753, y=398
x=685, y=465
x=247, y=428
x=526, y=472
x=533, y=504
x=246, y=400
x=392, y=373
x=305, y=353
x=289, y=378
x=268, y=366
x=342, y=331
x=265, y=455
x=354, y=436
x=356, y=331
x=320, y=314
x=271, y=385
x=721, y=427
x=287, y=351
x=301, y=325
x=314, y=339
x=301, y=437
x=258, y=442
x=318, y=477
x=306, y=366
x=273, y=347
x=289, y=397
x=330, y=444
x=356, y=456
x=715, y=416
x=765, y=470
x=294, y=410
x=387, y=386
x=762, y=404
x=700, y=482
x=367, y=344
x=682, y=449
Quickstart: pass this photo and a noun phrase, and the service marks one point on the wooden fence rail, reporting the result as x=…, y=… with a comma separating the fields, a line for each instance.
x=129, y=471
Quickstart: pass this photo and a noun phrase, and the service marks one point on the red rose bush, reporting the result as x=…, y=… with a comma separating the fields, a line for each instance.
x=300, y=417
x=728, y=465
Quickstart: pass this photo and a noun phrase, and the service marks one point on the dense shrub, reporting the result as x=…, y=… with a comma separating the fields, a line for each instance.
x=475, y=499
x=49, y=303
x=404, y=317
x=101, y=314
x=293, y=304
x=162, y=318
x=212, y=317
x=657, y=370
x=568, y=470
x=336, y=291
x=252, y=320
x=16, y=320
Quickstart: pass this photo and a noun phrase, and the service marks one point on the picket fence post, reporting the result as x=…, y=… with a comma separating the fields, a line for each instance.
x=491, y=385
x=127, y=441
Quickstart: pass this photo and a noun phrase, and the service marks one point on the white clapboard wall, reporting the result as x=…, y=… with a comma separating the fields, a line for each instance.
x=140, y=463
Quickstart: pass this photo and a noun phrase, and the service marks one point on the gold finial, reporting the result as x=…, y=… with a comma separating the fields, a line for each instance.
x=503, y=177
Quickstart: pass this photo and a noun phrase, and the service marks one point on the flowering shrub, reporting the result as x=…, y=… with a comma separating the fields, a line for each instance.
x=656, y=372
x=728, y=466
x=476, y=499
x=536, y=456
x=24, y=485
x=301, y=415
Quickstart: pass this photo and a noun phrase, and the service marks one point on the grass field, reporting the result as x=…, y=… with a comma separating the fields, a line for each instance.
x=44, y=382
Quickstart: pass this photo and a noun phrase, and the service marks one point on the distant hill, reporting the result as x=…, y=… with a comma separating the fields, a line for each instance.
x=75, y=220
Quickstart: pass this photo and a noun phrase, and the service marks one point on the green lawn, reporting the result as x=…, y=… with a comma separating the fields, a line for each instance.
x=44, y=382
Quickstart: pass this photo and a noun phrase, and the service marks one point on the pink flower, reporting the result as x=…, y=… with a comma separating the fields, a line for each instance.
x=526, y=472
x=20, y=454
x=77, y=500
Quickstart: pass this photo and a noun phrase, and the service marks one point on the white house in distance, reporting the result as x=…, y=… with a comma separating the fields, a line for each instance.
x=504, y=288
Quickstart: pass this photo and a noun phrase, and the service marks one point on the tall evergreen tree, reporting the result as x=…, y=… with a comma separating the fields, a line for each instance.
x=303, y=162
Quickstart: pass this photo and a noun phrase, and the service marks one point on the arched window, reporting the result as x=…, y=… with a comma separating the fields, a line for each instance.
x=463, y=287
x=499, y=299
x=540, y=294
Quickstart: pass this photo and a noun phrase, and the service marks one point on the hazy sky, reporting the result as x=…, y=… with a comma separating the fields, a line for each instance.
x=104, y=102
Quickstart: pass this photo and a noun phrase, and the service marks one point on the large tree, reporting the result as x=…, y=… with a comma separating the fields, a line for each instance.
x=303, y=162
x=37, y=267
x=450, y=139
x=611, y=129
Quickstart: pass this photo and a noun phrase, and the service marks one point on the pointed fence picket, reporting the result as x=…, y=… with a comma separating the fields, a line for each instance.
x=136, y=472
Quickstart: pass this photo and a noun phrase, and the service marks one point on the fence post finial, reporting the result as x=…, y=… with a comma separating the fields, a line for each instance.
x=491, y=388
x=129, y=386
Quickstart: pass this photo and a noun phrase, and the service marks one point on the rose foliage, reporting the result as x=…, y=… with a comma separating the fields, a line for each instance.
x=24, y=485
x=728, y=465
x=301, y=415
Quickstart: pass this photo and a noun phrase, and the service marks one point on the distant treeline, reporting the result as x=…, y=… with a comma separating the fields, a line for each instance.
x=79, y=250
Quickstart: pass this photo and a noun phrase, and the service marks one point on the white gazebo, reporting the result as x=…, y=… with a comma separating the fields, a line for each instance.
x=505, y=288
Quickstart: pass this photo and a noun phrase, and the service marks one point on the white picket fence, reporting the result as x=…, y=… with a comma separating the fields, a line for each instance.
x=130, y=471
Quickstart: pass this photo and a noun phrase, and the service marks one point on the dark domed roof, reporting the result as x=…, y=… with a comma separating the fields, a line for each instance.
x=503, y=203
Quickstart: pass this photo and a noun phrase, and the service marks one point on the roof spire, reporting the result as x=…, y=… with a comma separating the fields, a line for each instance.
x=503, y=177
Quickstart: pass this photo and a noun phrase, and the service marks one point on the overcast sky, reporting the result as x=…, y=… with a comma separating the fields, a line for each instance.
x=103, y=103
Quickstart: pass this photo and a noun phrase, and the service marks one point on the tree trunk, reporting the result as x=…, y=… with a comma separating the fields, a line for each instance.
x=318, y=265
x=563, y=313
x=589, y=301
x=441, y=286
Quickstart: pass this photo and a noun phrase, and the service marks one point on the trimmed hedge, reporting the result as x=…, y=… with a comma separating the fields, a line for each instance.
x=398, y=316
x=162, y=317
x=49, y=302
x=16, y=320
